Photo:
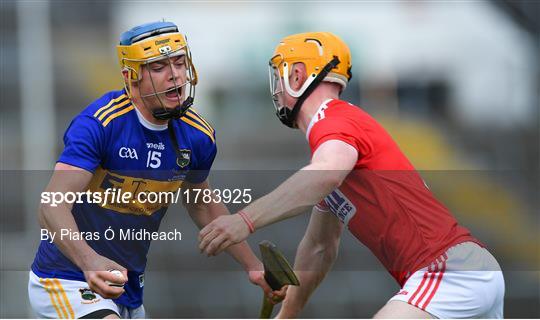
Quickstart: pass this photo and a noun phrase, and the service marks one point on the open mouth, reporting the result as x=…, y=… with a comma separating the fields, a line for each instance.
x=173, y=92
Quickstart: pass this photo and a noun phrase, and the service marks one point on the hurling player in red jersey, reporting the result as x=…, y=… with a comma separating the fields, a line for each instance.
x=359, y=178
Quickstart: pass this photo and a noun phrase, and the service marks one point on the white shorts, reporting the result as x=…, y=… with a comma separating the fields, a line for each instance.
x=465, y=282
x=63, y=299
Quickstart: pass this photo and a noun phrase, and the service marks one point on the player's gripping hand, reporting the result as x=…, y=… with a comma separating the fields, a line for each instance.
x=274, y=296
x=221, y=233
x=99, y=278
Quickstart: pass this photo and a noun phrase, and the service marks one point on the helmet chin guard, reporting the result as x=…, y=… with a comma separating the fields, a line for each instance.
x=176, y=113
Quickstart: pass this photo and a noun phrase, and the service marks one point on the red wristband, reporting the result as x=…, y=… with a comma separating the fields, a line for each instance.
x=247, y=220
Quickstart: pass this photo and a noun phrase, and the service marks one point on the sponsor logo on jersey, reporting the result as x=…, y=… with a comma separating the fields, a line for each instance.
x=156, y=146
x=128, y=153
x=342, y=207
x=104, y=179
x=403, y=292
x=183, y=158
x=88, y=296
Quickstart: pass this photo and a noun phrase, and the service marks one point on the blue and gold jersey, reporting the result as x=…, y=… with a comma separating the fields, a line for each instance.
x=111, y=139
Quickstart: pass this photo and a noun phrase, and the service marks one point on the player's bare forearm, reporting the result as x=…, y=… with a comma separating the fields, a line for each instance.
x=315, y=256
x=241, y=252
x=67, y=178
x=204, y=213
x=311, y=266
x=300, y=192
x=55, y=218
x=330, y=165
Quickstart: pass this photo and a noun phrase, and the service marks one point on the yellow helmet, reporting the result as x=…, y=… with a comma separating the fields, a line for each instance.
x=326, y=58
x=151, y=42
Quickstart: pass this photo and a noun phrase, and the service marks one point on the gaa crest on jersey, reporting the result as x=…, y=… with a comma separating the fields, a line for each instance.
x=183, y=158
x=342, y=207
x=128, y=153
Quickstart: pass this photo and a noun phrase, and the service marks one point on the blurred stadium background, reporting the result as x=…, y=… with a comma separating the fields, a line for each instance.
x=456, y=83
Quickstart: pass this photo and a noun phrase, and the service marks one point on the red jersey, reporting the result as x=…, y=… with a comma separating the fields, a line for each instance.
x=384, y=202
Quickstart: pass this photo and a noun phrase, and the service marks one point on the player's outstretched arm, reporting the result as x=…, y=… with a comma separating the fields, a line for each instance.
x=330, y=165
x=204, y=212
x=314, y=258
x=67, y=178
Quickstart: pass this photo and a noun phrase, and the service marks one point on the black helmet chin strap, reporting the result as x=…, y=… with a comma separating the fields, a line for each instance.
x=174, y=140
x=176, y=113
x=288, y=116
x=171, y=115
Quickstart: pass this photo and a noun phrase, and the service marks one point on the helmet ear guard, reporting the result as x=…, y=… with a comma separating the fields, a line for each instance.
x=287, y=86
x=326, y=58
x=288, y=116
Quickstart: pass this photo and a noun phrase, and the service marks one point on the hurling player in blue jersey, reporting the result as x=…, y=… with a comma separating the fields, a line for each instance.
x=144, y=138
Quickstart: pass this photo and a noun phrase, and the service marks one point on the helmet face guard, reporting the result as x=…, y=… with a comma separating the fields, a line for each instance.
x=326, y=58
x=276, y=87
x=150, y=43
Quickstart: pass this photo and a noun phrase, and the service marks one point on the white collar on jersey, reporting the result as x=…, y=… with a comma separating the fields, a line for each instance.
x=319, y=115
x=149, y=125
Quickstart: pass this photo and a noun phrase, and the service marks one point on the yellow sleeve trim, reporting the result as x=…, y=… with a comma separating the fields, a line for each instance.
x=116, y=107
x=109, y=104
x=204, y=130
x=192, y=113
x=117, y=114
